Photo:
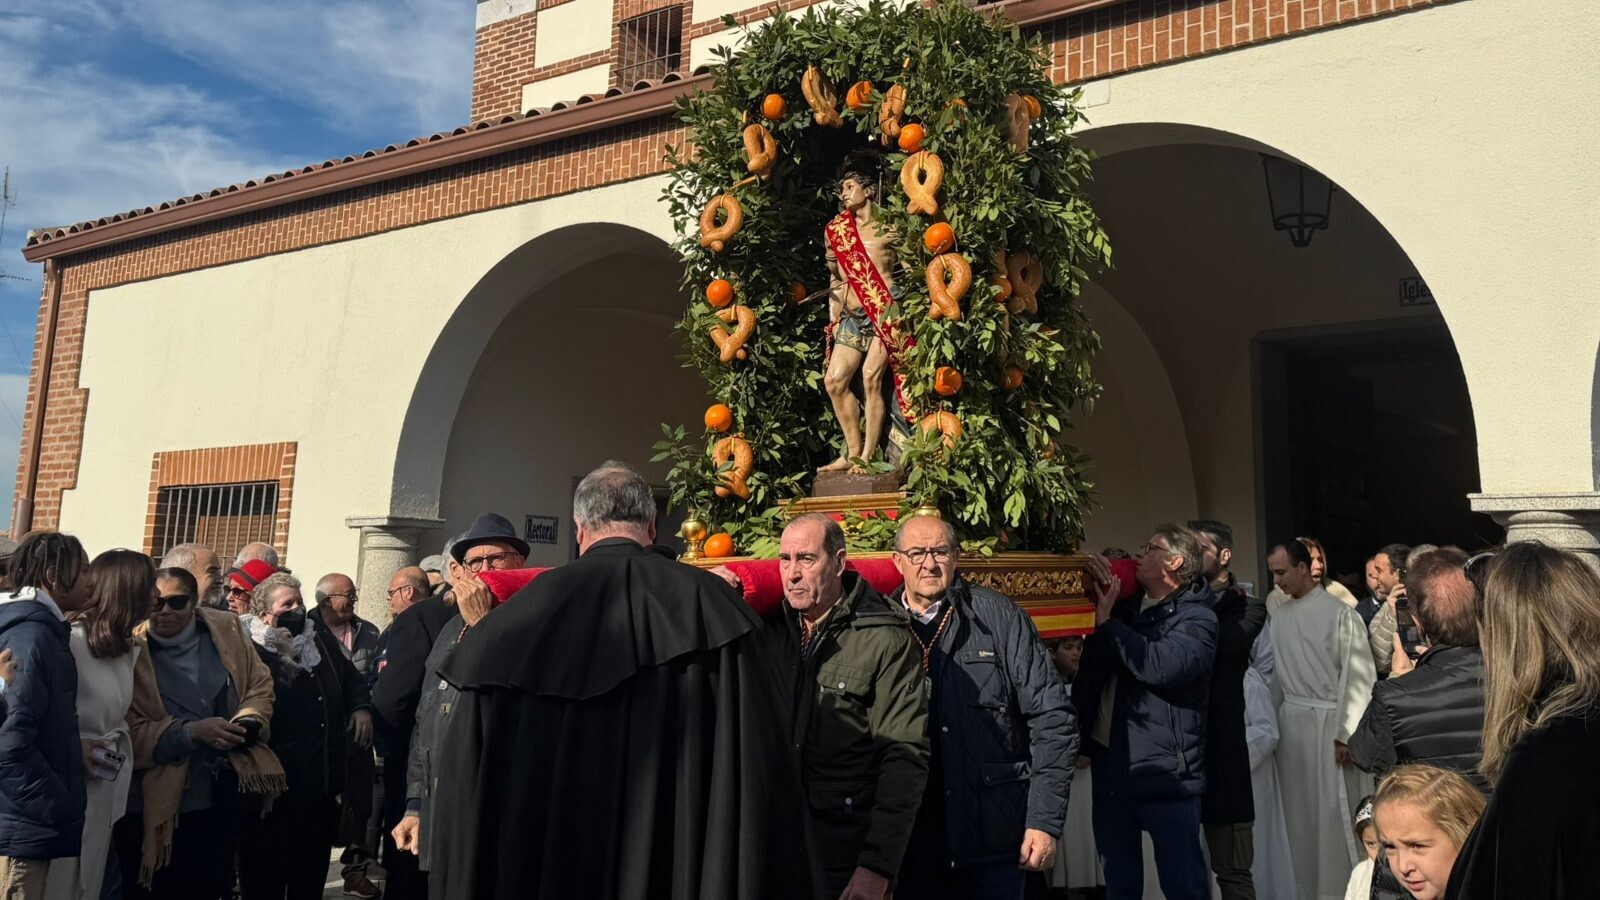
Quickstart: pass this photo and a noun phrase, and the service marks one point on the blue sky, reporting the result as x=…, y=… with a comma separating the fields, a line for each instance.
x=108, y=105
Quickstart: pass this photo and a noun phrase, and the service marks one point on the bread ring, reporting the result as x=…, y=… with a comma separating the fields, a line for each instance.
x=1000, y=278
x=714, y=236
x=948, y=275
x=761, y=150
x=1017, y=120
x=921, y=176
x=732, y=345
x=820, y=96
x=890, y=111
x=946, y=423
x=732, y=482
x=1027, y=276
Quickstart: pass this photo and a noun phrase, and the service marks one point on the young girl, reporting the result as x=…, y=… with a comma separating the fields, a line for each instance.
x=1423, y=815
x=1360, y=887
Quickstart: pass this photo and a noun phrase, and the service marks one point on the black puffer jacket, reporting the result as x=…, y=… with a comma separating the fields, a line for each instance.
x=1228, y=797
x=1007, y=735
x=1432, y=714
x=1161, y=659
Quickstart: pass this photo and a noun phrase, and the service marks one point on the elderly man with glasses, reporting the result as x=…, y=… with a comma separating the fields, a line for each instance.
x=1002, y=730
x=1142, y=693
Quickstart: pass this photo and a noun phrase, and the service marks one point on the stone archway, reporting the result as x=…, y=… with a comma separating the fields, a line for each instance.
x=1205, y=288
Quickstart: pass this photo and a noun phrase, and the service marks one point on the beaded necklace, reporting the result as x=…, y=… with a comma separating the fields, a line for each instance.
x=927, y=649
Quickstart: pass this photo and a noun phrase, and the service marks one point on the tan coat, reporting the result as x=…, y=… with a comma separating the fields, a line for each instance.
x=259, y=770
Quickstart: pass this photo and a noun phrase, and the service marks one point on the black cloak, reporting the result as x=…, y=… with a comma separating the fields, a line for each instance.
x=618, y=735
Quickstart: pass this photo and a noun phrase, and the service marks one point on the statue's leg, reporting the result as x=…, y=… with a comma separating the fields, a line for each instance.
x=872, y=372
x=836, y=380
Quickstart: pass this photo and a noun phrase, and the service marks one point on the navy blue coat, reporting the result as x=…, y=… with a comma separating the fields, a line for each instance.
x=41, y=767
x=1007, y=737
x=1162, y=660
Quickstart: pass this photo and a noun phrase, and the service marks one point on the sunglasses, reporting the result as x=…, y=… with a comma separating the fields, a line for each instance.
x=175, y=602
x=1476, y=568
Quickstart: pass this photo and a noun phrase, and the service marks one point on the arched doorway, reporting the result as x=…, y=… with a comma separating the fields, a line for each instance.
x=1308, y=390
x=562, y=357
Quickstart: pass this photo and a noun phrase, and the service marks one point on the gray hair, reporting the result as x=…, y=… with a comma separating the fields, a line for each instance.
x=320, y=593
x=257, y=550
x=1185, y=545
x=182, y=556
x=613, y=494
x=832, y=534
x=947, y=532
x=262, y=593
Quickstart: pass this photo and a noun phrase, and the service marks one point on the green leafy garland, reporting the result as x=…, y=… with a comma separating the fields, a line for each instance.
x=1008, y=481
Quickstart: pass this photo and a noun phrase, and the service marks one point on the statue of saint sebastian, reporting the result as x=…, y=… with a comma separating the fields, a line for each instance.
x=865, y=338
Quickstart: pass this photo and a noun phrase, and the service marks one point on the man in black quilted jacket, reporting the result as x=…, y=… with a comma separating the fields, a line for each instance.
x=1001, y=727
x=1142, y=695
x=1432, y=714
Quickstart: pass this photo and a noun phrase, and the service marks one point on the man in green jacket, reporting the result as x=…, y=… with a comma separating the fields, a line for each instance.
x=861, y=711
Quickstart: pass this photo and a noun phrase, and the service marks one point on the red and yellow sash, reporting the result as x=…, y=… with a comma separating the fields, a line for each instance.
x=844, y=239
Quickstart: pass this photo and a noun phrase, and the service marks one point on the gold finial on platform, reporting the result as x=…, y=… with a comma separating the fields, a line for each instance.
x=930, y=511
x=694, y=533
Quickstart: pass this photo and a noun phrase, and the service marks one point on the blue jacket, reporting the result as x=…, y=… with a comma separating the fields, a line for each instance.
x=1006, y=736
x=41, y=767
x=1161, y=659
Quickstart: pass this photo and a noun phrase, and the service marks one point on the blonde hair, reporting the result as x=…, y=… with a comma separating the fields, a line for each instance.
x=1540, y=633
x=1445, y=798
x=261, y=594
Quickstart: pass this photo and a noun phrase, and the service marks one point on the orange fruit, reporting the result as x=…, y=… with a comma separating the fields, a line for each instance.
x=1013, y=378
x=774, y=107
x=798, y=292
x=939, y=237
x=957, y=102
x=946, y=381
x=718, y=545
x=719, y=293
x=911, y=138
x=1004, y=284
x=719, y=417
x=1034, y=109
x=859, y=96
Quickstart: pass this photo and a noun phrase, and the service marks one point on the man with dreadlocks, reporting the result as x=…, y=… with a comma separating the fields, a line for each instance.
x=863, y=338
x=41, y=765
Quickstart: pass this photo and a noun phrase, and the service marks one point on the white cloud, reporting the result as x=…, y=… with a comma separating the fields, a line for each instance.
x=400, y=66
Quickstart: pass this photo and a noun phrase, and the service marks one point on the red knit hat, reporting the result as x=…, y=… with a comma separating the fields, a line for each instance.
x=252, y=573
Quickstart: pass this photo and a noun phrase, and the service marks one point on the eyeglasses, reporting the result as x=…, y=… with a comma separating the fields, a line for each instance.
x=235, y=589
x=176, y=602
x=492, y=560
x=919, y=555
x=348, y=595
x=1147, y=548
x=394, y=590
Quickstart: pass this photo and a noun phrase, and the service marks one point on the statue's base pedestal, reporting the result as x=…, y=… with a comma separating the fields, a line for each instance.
x=1053, y=588
x=848, y=484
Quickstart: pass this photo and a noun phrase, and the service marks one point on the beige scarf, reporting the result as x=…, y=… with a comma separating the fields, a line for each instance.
x=258, y=768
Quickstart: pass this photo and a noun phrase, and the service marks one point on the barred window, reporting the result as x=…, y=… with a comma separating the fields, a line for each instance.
x=649, y=46
x=223, y=517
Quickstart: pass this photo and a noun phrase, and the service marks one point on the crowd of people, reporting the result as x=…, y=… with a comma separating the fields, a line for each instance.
x=811, y=726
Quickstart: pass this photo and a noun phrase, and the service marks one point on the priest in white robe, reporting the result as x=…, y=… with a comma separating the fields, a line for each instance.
x=1325, y=672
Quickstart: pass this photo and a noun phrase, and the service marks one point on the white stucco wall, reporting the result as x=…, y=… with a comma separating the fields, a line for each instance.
x=1468, y=130
x=568, y=87
x=570, y=30
x=343, y=331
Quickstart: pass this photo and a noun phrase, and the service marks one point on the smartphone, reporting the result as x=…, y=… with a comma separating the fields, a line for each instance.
x=107, y=763
x=1406, y=628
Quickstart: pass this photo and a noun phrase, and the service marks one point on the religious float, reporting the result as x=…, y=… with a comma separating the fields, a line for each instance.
x=883, y=226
